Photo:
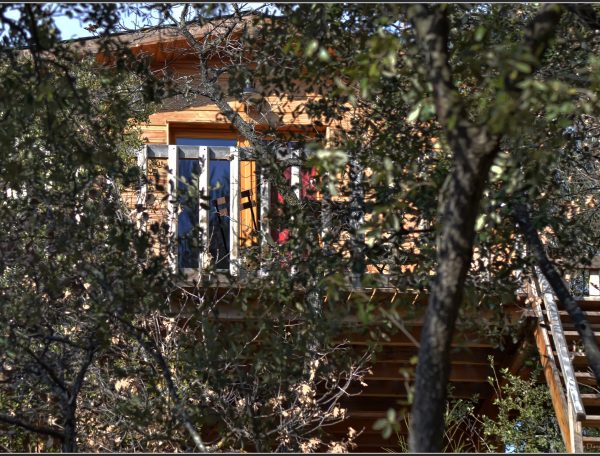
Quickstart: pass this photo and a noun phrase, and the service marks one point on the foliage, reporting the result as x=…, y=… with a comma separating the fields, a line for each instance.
x=525, y=423
x=500, y=109
x=463, y=429
x=112, y=359
x=376, y=78
x=74, y=263
x=73, y=252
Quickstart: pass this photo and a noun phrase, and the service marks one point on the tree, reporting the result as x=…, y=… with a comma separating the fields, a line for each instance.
x=73, y=262
x=474, y=109
x=291, y=391
x=476, y=105
x=75, y=253
x=425, y=119
x=474, y=148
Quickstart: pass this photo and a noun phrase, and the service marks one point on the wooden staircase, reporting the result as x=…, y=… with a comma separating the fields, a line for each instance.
x=590, y=392
x=573, y=387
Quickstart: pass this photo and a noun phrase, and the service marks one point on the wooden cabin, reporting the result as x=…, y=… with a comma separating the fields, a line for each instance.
x=184, y=137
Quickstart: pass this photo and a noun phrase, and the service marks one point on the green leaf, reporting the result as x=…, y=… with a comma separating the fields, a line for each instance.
x=414, y=114
x=311, y=48
x=480, y=33
x=324, y=55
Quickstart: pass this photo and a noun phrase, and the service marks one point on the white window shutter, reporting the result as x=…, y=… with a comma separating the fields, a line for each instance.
x=295, y=175
x=265, y=205
x=203, y=218
x=234, y=222
x=142, y=161
x=172, y=208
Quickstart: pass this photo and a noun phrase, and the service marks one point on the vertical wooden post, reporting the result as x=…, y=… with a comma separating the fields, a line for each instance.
x=575, y=434
x=234, y=219
x=142, y=161
x=296, y=184
x=295, y=180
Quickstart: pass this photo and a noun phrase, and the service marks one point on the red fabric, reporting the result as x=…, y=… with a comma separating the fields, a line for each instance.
x=280, y=234
x=308, y=178
x=307, y=191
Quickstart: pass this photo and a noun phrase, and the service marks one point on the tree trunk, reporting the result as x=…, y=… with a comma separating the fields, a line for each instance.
x=69, y=444
x=463, y=190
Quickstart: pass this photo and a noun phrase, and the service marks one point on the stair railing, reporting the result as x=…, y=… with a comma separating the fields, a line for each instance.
x=566, y=397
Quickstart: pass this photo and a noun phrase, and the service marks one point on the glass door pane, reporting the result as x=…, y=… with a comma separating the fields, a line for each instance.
x=187, y=220
x=219, y=201
x=219, y=213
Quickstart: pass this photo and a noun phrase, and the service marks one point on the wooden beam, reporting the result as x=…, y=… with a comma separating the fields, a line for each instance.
x=464, y=338
x=459, y=355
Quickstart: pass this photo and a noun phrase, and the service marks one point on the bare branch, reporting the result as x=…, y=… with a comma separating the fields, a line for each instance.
x=150, y=346
x=53, y=432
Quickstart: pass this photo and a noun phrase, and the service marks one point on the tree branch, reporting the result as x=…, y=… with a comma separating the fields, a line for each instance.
x=431, y=24
x=154, y=351
x=31, y=427
x=49, y=371
x=585, y=13
x=212, y=91
x=534, y=243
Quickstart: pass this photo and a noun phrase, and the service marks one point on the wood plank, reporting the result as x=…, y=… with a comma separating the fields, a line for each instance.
x=591, y=400
x=359, y=406
x=458, y=355
x=591, y=443
x=248, y=182
x=291, y=113
x=398, y=389
x=362, y=424
x=458, y=373
x=373, y=441
x=572, y=335
x=568, y=326
x=585, y=378
x=464, y=338
x=592, y=316
x=578, y=359
x=152, y=136
x=552, y=376
x=587, y=303
x=591, y=421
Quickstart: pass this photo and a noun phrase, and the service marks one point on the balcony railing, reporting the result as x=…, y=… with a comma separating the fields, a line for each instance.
x=557, y=364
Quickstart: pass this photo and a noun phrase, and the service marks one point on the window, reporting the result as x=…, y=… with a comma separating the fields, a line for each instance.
x=303, y=181
x=202, y=213
x=220, y=205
